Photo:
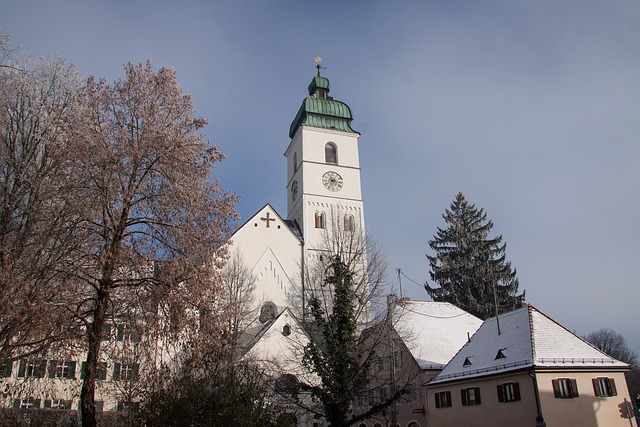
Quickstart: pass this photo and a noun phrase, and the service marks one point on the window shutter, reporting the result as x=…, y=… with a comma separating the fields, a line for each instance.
x=99, y=405
x=21, y=367
x=119, y=333
x=136, y=369
x=52, y=368
x=437, y=397
x=596, y=387
x=42, y=368
x=500, y=393
x=102, y=370
x=574, y=388
x=463, y=395
x=612, y=387
x=477, y=389
x=82, y=369
x=47, y=403
x=106, y=332
x=36, y=403
x=516, y=391
x=72, y=369
x=6, y=369
x=116, y=371
x=120, y=406
x=556, y=388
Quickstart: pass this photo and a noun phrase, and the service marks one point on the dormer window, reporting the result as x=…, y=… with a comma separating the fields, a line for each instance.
x=467, y=362
x=500, y=354
x=330, y=153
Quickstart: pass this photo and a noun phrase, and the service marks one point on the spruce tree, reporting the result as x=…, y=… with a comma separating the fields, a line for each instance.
x=469, y=266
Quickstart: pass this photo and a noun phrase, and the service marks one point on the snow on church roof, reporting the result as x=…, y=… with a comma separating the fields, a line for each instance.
x=528, y=338
x=433, y=331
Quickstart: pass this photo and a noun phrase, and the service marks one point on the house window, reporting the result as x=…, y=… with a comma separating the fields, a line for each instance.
x=565, y=388
x=101, y=372
x=32, y=368
x=62, y=405
x=126, y=332
x=604, y=387
x=125, y=371
x=28, y=403
x=62, y=369
x=470, y=396
x=330, y=153
x=128, y=406
x=508, y=392
x=320, y=220
x=443, y=399
x=348, y=223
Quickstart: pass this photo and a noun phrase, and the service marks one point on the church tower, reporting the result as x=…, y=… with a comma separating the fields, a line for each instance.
x=323, y=178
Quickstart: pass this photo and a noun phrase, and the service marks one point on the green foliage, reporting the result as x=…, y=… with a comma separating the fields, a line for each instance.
x=332, y=352
x=471, y=267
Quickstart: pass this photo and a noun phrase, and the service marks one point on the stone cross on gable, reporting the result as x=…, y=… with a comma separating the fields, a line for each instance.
x=268, y=219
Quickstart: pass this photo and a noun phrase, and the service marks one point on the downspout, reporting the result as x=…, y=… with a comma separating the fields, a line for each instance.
x=302, y=266
x=536, y=393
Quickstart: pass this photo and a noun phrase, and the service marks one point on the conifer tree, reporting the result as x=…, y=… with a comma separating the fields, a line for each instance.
x=469, y=266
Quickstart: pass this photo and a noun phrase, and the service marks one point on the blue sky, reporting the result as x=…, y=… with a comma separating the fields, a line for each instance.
x=531, y=109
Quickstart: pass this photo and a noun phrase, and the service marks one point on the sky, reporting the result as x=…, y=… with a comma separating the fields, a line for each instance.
x=531, y=109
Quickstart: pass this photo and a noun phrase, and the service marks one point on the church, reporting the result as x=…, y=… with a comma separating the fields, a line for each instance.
x=324, y=198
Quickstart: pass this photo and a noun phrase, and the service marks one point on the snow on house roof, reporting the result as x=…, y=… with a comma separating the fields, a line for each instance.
x=433, y=331
x=528, y=338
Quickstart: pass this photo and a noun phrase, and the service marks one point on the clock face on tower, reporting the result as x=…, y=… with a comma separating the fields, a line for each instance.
x=332, y=181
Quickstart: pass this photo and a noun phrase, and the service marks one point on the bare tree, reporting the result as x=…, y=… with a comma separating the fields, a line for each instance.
x=38, y=222
x=143, y=178
x=614, y=344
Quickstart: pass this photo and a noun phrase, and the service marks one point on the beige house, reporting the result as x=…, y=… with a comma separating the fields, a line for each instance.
x=525, y=369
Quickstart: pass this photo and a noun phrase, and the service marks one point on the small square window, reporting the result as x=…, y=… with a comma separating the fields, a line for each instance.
x=565, y=388
x=443, y=399
x=470, y=396
x=604, y=387
x=508, y=392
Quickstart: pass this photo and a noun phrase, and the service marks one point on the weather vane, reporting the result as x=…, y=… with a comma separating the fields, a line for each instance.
x=318, y=66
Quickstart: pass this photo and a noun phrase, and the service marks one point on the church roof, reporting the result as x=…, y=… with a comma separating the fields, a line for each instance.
x=321, y=110
x=528, y=338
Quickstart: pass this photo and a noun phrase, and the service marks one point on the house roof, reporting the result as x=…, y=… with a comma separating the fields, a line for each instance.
x=528, y=338
x=433, y=331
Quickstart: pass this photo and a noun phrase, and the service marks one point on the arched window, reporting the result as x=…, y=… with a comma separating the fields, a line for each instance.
x=268, y=312
x=320, y=220
x=295, y=162
x=348, y=223
x=330, y=153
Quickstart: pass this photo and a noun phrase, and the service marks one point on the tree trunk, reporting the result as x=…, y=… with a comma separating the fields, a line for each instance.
x=94, y=338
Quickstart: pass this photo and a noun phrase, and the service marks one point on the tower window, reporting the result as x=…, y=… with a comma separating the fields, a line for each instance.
x=330, y=153
x=295, y=162
x=348, y=223
x=320, y=220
